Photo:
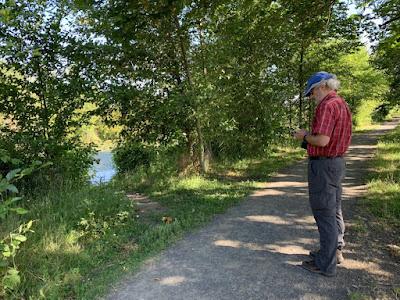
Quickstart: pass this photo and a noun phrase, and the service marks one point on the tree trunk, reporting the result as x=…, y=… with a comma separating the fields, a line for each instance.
x=43, y=102
x=204, y=151
x=301, y=81
x=201, y=148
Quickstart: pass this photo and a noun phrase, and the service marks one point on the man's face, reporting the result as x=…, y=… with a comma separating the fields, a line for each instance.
x=316, y=94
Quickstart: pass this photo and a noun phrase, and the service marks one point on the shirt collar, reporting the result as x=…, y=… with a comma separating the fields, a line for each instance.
x=330, y=95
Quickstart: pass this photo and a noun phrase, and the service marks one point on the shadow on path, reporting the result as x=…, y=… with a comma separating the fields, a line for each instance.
x=252, y=251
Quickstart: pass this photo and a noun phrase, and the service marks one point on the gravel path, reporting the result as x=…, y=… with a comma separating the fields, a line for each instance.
x=252, y=251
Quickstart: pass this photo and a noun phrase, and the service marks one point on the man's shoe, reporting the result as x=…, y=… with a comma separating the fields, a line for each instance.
x=339, y=255
x=310, y=266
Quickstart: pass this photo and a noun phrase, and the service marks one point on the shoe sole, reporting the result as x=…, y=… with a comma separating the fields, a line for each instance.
x=338, y=261
x=316, y=271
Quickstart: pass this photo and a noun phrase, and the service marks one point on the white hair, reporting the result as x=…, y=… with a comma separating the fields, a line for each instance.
x=332, y=83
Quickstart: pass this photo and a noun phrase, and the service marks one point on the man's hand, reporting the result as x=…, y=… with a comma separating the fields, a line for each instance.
x=319, y=140
x=299, y=134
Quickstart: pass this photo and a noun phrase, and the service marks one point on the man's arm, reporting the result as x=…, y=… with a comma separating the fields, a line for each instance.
x=319, y=140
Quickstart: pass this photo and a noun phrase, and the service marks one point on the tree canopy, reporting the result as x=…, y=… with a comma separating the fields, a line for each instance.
x=200, y=78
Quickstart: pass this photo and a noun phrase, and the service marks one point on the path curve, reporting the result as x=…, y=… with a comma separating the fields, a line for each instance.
x=252, y=251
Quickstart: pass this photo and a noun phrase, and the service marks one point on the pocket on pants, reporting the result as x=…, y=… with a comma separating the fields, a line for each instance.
x=324, y=200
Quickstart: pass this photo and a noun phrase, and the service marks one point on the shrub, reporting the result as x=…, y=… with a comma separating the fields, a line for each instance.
x=12, y=240
x=128, y=156
x=380, y=113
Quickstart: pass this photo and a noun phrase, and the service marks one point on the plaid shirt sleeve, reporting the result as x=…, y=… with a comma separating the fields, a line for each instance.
x=325, y=120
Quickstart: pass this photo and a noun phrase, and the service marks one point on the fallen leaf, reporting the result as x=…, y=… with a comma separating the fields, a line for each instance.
x=394, y=250
x=167, y=220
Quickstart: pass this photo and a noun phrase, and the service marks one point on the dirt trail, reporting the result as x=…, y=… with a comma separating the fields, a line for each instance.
x=252, y=251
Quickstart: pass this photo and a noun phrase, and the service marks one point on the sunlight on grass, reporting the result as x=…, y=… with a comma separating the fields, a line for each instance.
x=196, y=182
x=363, y=117
x=61, y=242
x=383, y=198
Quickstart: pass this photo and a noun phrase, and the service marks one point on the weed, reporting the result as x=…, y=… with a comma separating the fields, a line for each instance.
x=358, y=296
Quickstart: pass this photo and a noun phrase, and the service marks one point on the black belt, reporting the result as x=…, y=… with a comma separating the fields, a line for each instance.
x=323, y=157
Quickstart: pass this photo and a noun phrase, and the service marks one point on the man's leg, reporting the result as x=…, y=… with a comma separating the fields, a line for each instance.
x=322, y=193
x=328, y=234
x=339, y=215
x=339, y=219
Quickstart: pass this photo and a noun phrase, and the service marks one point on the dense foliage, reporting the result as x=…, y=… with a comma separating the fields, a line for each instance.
x=383, y=25
x=201, y=78
x=43, y=83
x=214, y=78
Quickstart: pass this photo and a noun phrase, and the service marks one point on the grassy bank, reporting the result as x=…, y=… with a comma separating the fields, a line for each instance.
x=383, y=198
x=87, y=237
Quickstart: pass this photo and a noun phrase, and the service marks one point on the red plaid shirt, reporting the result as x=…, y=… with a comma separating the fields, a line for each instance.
x=332, y=118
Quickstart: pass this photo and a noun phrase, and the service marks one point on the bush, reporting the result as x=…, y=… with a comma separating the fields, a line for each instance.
x=129, y=156
x=12, y=240
x=71, y=161
x=380, y=113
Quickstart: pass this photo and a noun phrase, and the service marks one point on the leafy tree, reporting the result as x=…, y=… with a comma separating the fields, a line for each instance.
x=211, y=76
x=262, y=53
x=151, y=84
x=44, y=81
x=360, y=81
x=387, y=36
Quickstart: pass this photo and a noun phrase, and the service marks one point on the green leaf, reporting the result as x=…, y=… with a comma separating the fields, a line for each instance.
x=36, y=163
x=3, y=263
x=26, y=171
x=15, y=161
x=12, y=279
x=10, y=175
x=12, y=188
x=19, y=210
x=19, y=237
x=15, y=246
x=15, y=199
x=4, y=157
x=29, y=224
x=6, y=251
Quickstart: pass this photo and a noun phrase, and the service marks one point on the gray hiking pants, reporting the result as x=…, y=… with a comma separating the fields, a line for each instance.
x=325, y=192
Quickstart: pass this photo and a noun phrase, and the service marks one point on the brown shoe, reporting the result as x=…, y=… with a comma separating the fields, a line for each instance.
x=310, y=266
x=339, y=255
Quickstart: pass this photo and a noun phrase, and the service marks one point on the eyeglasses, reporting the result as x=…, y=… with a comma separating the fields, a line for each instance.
x=312, y=91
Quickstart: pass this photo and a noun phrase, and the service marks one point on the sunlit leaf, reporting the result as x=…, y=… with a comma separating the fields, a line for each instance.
x=19, y=237
x=12, y=279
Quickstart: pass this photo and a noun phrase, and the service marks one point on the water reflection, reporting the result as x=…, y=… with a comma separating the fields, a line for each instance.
x=104, y=170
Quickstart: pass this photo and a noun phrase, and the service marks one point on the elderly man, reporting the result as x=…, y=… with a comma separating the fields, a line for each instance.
x=326, y=144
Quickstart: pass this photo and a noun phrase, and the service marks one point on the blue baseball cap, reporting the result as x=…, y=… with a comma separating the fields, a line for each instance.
x=315, y=79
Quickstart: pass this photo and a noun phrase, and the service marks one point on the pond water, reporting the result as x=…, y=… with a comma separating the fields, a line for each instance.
x=104, y=170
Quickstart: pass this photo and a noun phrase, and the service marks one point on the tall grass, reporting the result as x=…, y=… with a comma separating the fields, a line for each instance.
x=383, y=198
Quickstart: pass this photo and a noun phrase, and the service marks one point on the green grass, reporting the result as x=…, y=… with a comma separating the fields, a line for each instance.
x=87, y=237
x=363, y=118
x=358, y=296
x=383, y=198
